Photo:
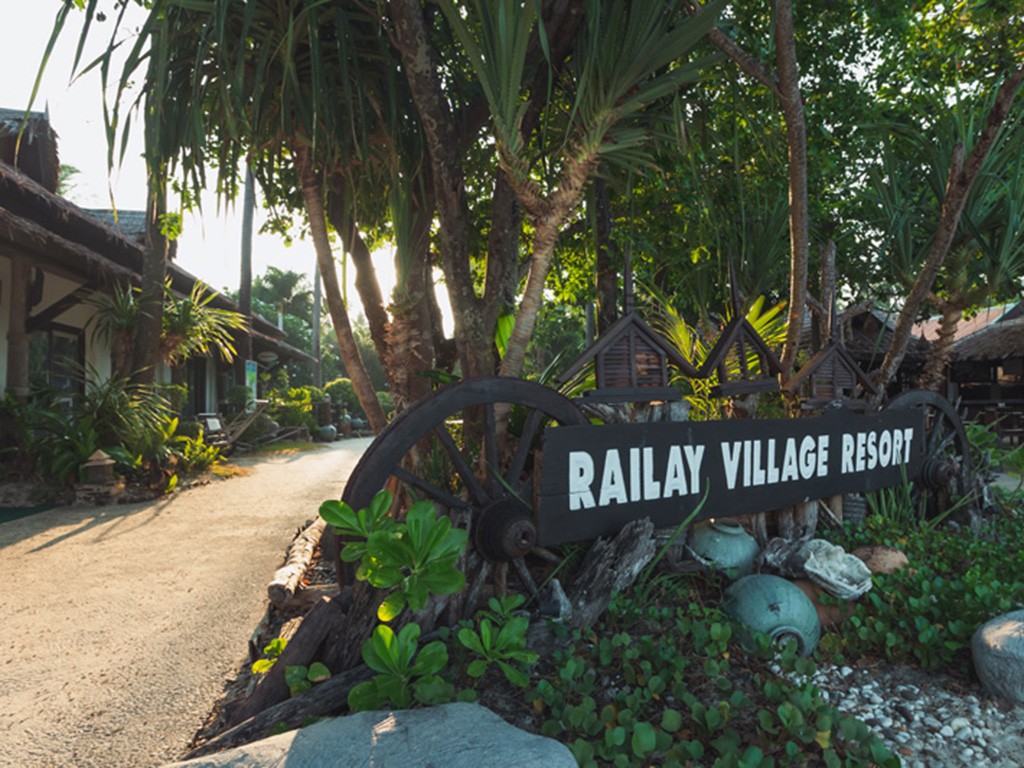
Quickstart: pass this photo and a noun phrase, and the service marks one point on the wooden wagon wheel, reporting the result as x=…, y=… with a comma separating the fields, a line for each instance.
x=471, y=448
x=945, y=477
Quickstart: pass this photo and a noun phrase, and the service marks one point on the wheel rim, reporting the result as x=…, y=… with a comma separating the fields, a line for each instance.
x=945, y=478
x=470, y=448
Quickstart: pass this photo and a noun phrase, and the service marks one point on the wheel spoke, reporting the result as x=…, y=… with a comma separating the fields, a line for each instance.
x=490, y=439
x=476, y=590
x=518, y=463
x=433, y=491
x=526, y=577
x=476, y=490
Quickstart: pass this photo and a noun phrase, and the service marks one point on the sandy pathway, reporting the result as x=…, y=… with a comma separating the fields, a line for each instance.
x=119, y=626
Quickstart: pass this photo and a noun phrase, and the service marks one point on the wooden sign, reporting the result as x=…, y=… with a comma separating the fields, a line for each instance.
x=597, y=478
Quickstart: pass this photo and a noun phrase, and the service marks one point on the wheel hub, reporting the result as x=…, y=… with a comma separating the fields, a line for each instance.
x=505, y=530
x=937, y=473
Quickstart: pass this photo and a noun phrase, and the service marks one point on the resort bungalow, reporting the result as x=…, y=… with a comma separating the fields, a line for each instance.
x=55, y=255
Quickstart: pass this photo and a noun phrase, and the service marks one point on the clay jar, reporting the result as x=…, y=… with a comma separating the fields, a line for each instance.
x=776, y=607
x=725, y=545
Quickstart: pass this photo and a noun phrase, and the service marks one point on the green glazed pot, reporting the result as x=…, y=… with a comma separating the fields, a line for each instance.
x=725, y=545
x=776, y=607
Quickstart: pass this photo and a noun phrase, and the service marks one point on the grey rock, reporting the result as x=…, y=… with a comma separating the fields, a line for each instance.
x=992, y=751
x=959, y=723
x=998, y=650
x=454, y=735
x=945, y=731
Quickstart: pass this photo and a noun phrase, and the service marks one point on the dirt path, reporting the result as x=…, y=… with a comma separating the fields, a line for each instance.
x=119, y=626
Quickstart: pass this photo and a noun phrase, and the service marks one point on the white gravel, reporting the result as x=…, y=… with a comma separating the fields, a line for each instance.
x=928, y=720
x=121, y=625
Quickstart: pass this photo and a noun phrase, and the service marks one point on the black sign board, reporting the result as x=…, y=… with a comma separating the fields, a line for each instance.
x=597, y=478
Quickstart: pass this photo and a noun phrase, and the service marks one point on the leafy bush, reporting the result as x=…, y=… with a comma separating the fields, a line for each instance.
x=926, y=613
x=343, y=393
x=500, y=639
x=414, y=557
x=294, y=407
x=405, y=672
x=387, y=403
x=235, y=400
x=196, y=455
x=654, y=685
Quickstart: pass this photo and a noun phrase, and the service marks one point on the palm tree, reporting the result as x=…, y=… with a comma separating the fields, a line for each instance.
x=283, y=290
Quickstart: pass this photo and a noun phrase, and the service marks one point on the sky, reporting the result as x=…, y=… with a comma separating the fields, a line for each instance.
x=210, y=244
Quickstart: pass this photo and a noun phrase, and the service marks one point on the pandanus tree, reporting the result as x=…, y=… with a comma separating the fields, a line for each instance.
x=263, y=83
x=985, y=256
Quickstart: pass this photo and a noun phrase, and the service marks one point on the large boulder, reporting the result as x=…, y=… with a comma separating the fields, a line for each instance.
x=998, y=650
x=454, y=736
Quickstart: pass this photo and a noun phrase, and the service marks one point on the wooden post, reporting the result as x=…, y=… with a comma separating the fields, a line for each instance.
x=17, y=331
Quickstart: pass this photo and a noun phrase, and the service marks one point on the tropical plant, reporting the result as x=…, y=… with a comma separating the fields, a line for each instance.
x=499, y=638
x=405, y=672
x=414, y=557
x=695, y=344
x=191, y=326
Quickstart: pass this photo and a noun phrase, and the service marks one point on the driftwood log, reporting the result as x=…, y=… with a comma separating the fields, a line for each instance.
x=326, y=697
x=283, y=586
x=610, y=567
x=326, y=618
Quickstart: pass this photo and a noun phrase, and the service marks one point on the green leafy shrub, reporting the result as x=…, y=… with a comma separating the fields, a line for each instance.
x=271, y=651
x=926, y=613
x=387, y=404
x=343, y=393
x=500, y=639
x=196, y=455
x=300, y=678
x=654, y=685
x=294, y=407
x=414, y=557
x=235, y=400
x=405, y=672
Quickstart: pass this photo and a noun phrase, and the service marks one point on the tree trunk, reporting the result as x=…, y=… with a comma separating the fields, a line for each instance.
x=245, y=279
x=473, y=338
x=313, y=195
x=608, y=262
x=799, y=213
x=146, y=358
x=958, y=187
x=547, y=218
x=343, y=221
x=934, y=374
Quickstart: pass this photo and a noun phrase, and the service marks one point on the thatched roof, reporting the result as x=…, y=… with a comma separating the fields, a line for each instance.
x=867, y=336
x=37, y=154
x=64, y=239
x=998, y=341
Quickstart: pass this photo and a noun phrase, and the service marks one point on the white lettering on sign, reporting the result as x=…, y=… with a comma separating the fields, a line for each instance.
x=645, y=473
x=646, y=479
x=613, y=482
x=865, y=451
x=581, y=475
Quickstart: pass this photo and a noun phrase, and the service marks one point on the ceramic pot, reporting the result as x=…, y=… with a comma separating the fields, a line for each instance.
x=327, y=433
x=725, y=545
x=776, y=607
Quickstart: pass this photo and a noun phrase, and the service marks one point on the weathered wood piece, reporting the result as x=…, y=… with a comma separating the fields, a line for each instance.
x=323, y=699
x=610, y=566
x=325, y=618
x=283, y=586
